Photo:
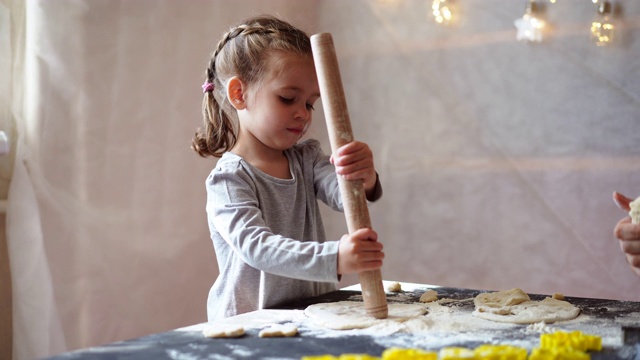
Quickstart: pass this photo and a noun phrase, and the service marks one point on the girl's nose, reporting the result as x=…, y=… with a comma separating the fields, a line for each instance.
x=302, y=113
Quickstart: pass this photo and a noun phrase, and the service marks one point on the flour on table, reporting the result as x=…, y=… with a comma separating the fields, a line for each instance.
x=346, y=315
x=540, y=328
x=515, y=306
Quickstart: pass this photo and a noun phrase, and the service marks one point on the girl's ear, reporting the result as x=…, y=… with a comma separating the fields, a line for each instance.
x=236, y=93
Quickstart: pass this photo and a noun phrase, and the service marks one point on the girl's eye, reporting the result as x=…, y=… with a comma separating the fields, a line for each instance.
x=290, y=101
x=287, y=100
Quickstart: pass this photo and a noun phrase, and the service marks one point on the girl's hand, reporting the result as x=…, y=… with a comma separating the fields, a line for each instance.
x=628, y=234
x=354, y=161
x=359, y=252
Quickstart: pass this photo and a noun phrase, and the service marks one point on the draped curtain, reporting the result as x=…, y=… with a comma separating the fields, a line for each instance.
x=107, y=230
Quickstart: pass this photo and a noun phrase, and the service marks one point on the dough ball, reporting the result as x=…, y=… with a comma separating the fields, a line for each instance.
x=223, y=331
x=429, y=296
x=501, y=299
x=558, y=296
x=278, y=330
x=394, y=287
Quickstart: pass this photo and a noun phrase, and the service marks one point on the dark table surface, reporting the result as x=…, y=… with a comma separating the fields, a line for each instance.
x=606, y=316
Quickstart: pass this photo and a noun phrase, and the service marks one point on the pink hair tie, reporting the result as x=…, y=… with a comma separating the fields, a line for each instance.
x=207, y=87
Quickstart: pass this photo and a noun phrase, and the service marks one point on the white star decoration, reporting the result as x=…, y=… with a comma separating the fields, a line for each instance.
x=529, y=28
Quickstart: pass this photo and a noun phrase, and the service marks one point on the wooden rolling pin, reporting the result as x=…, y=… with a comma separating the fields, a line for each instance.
x=340, y=133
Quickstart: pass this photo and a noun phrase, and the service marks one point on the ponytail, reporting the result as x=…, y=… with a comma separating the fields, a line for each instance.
x=218, y=135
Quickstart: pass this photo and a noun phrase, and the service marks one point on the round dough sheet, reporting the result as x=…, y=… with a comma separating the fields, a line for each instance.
x=345, y=315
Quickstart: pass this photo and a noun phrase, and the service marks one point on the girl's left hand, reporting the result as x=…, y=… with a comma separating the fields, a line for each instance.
x=628, y=234
x=354, y=161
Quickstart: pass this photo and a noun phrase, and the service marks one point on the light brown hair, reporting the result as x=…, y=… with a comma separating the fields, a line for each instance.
x=241, y=52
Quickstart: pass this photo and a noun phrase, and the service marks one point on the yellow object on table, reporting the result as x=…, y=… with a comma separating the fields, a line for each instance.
x=558, y=354
x=341, y=357
x=557, y=346
x=389, y=354
x=563, y=345
x=408, y=354
x=456, y=353
x=500, y=352
x=574, y=340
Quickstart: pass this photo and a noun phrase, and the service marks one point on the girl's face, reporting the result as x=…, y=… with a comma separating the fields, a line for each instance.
x=279, y=111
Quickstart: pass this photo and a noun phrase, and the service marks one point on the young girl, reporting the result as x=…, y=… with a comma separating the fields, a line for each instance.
x=264, y=219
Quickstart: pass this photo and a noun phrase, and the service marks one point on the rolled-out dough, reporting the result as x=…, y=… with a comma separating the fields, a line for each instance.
x=223, y=331
x=345, y=315
x=279, y=330
x=515, y=306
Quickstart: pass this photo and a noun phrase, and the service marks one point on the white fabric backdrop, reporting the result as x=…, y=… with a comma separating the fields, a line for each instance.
x=36, y=322
x=498, y=158
x=112, y=98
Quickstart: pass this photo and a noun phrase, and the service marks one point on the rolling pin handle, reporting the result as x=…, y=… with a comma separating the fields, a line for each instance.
x=340, y=133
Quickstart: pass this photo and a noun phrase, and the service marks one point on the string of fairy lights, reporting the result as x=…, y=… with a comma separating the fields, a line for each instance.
x=531, y=27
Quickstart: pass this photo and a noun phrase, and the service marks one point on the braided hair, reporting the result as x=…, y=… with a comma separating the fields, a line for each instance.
x=241, y=52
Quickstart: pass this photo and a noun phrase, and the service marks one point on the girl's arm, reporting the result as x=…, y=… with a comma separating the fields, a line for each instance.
x=232, y=207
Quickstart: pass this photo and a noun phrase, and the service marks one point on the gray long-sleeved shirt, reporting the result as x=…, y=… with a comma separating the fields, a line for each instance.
x=268, y=234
